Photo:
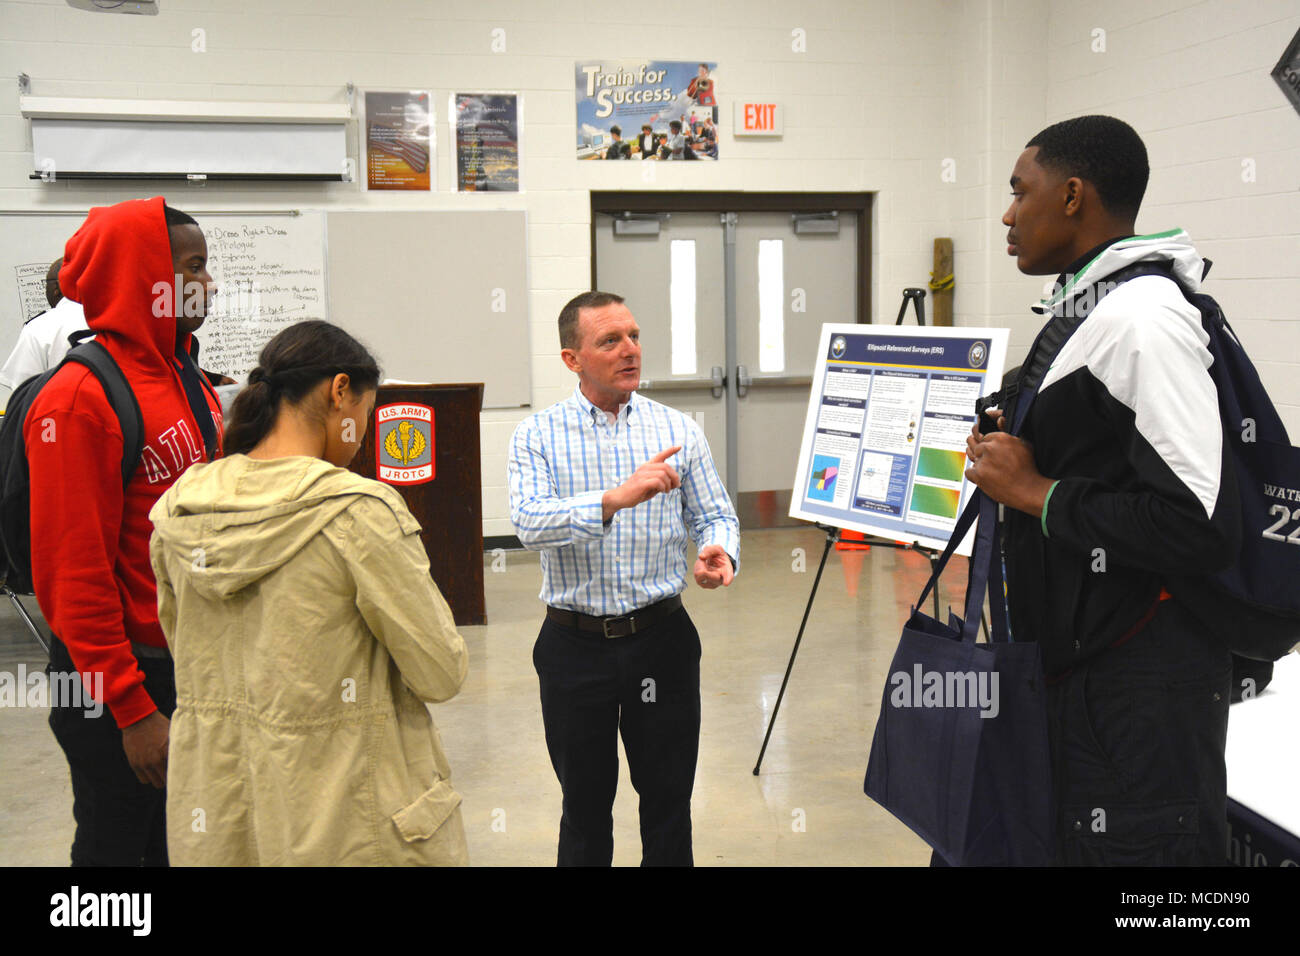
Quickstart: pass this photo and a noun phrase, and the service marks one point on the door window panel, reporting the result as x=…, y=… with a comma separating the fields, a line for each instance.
x=681, y=299
x=771, y=305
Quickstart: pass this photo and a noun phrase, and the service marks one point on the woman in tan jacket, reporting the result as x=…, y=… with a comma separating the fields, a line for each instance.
x=307, y=635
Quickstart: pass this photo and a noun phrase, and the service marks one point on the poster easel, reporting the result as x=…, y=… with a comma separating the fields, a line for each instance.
x=895, y=469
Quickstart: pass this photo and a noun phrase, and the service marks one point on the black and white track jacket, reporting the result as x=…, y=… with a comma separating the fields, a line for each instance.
x=1127, y=418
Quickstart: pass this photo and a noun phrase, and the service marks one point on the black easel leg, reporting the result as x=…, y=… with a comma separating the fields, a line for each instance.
x=831, y=535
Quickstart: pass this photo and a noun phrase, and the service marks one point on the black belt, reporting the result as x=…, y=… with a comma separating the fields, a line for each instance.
x=621, y=626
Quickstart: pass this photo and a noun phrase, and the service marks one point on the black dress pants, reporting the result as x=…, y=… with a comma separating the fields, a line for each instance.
x=120, y=821
x=646, y=686
x=1138, y=735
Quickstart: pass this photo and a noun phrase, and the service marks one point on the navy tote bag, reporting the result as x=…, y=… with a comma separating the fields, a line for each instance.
x=960, y=751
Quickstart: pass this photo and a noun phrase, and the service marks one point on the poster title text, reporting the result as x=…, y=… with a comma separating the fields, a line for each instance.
x=922, y=349
x=612, y=89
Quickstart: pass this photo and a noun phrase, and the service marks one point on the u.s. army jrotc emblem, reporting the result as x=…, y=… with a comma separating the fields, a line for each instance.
x=404, y=444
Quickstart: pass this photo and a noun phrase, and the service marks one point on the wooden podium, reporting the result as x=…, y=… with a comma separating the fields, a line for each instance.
x=449, y=507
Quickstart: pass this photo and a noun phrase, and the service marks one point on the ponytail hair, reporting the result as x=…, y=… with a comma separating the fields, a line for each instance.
x=291, y=366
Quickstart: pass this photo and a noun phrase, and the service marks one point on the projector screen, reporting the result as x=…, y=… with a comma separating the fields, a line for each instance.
x=103, y=146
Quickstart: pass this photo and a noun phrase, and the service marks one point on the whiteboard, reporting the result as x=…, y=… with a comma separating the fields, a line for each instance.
x=884, y=439
x=437, y=297
x=270, y=273
x=28, y=244
x=269, y=270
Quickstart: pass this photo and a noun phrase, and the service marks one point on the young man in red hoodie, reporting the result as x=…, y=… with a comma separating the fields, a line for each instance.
x=139, y=268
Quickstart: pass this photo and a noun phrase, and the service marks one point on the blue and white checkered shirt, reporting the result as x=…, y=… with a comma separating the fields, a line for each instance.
x=563, y=460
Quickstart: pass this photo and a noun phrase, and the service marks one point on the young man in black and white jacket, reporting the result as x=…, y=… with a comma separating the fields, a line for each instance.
x=1116, y=492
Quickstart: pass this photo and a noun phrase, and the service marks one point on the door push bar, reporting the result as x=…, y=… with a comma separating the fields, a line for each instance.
x=719, y=380
x=743, y=381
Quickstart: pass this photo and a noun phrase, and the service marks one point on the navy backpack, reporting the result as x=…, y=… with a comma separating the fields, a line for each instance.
x=1255, y=603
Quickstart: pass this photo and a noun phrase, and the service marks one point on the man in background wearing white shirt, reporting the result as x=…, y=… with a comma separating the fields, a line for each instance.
x=43, y=341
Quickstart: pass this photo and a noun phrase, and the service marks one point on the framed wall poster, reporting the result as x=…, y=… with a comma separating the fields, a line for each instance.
x=399, y=140
x=646, y=109
x=485, y=132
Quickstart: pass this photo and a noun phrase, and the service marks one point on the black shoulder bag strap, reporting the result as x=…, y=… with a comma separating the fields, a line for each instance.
x=1066, y=319
x=1067, y=316
x=95, y=357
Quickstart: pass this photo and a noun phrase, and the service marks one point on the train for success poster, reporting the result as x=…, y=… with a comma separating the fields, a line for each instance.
x=647, y=109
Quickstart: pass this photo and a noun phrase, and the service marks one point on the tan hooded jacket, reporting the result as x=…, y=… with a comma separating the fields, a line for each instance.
x=307, y=635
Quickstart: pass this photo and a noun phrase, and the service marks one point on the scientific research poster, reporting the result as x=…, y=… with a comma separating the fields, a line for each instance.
x=619, y=99
x=884, y=440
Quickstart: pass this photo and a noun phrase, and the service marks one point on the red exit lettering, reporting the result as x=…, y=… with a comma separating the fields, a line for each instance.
x=759, y=116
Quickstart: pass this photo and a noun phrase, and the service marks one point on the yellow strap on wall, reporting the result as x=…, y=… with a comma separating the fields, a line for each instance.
x=941, y=285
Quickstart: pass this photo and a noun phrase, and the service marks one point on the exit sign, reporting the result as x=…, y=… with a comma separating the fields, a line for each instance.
x=759, y=119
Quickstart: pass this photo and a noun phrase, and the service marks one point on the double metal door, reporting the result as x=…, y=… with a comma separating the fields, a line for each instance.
x=730, y=307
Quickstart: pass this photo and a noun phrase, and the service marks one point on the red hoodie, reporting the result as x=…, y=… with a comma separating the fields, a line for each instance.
x=90, y=540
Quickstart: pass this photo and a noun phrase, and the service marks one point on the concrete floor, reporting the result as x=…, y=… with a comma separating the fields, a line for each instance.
x=806, y=808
